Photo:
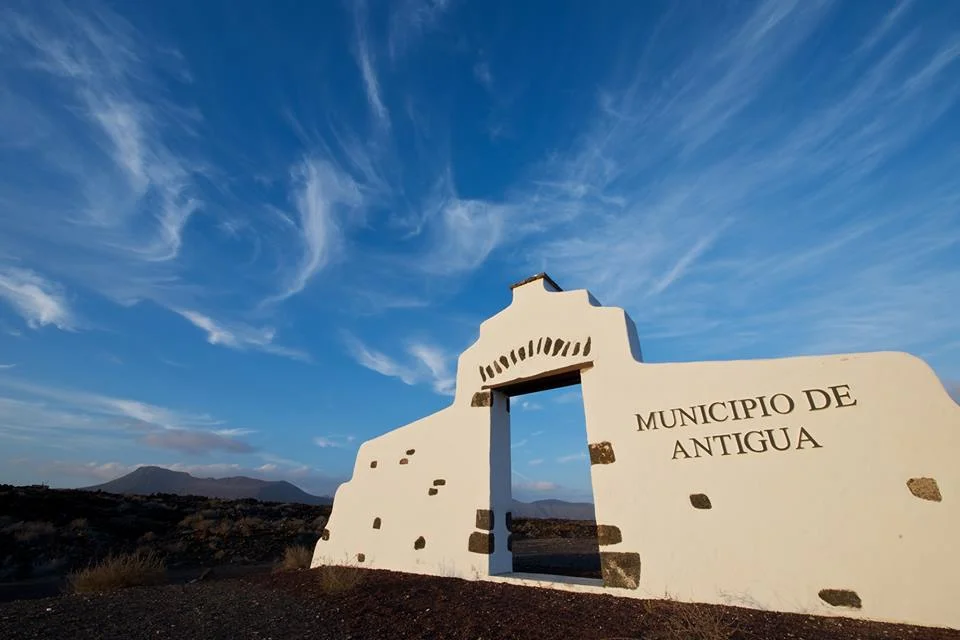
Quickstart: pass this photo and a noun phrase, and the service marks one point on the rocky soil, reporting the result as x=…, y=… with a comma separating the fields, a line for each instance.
x=384, y=604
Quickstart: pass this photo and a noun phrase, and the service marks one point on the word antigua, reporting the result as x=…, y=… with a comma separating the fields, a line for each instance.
x=726, y=444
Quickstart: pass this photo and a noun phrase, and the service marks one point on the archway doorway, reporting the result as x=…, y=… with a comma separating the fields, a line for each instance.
x=553, y=526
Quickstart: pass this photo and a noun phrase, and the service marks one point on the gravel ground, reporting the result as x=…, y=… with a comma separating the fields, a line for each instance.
x=303, y=604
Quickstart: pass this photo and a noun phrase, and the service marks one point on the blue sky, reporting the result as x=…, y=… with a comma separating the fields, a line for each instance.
x=243, y=237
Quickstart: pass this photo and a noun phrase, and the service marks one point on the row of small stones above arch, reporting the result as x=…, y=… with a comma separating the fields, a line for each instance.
x=560, y=347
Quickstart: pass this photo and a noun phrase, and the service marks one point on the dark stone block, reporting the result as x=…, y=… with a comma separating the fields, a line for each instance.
x=841, y=598
x=602, y=453
x=485, y=519
x=410, y=452
x=431, y=491
x=404, y=461
x=373, y=464
x=325, y=534
x=361, y=557
x=439, y=482
x=925, y=489
x=376, y=523
x=420, y=543
x=620, y=570
x=700, y=501
x=608, y=534
x=482, y=399
x=480, y=542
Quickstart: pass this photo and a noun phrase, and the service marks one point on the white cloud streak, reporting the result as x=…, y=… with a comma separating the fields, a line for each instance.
x=39, y=301
x=321, y=193
x=240, y=336
x=365, y=62
x=51, y=416
x=426, y=363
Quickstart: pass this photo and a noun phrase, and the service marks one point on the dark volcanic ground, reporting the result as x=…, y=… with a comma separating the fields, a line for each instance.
x=384, y=604
x=46, y=533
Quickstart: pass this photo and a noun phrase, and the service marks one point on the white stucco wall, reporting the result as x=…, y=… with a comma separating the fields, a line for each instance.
x=833, y=512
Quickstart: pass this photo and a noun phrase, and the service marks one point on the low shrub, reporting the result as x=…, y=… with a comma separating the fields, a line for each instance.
x=296, y=557
x=336, y=579
x=118, y=572
x=681, y=621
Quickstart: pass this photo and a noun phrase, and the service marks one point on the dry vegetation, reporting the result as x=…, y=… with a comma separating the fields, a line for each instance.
x=296, y=557
x=117, y=572
x=337, y=579
x=700, y=622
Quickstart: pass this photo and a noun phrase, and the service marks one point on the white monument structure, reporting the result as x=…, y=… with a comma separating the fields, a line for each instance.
x=825, y=485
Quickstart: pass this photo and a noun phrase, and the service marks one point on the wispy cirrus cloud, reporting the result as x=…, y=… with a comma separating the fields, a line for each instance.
x=241, y=336
x=410, y=20
x=121, y=192
x=63, y=417
x=321, y=191
x=39, y=301
x=334, y=441
x=424, y=363
x=366, y=62
x=572, y=457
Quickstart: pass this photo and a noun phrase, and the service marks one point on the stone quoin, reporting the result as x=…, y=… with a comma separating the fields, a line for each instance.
x=822, y=485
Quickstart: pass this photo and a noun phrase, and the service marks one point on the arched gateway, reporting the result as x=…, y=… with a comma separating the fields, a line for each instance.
x=823, y=485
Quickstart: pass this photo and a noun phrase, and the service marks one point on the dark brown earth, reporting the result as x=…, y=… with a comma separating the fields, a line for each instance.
x=46, y=533
x=385, y=604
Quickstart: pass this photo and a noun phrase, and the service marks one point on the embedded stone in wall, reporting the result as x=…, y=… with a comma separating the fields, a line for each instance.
x=485, y=519
x=482, y=399
x=431, y=491
x=361, y=557
x=404, y=461
x=602, y=453
x=410, y=452
x=608, y=534
x=700, y=501
x=925, y=489
x=373, y=464
x=325, y=534
x=419, y=543
x=376, y=523
x=439, y=482
x=480, y=542
x=841, y=598
x=620, y=570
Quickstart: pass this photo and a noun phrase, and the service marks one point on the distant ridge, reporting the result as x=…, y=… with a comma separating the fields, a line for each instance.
x=554, y=509
x=147, y=480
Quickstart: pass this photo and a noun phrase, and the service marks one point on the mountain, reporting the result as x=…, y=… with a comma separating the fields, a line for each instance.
x=147, y=480
x=555, y=509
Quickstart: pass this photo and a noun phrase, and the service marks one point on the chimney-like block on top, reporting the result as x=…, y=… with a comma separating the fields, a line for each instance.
x=544, y=281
